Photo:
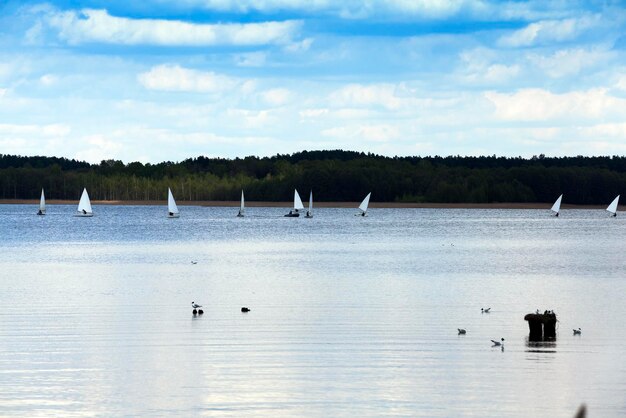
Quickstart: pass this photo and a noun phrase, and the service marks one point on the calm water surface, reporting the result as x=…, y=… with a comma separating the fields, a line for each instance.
x=349, y=316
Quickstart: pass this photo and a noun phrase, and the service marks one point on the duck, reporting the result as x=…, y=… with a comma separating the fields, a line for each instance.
x=462, y=331
x=578, y=331
x=195, y=305
x=244, y=309
x=498, y=343
x=483, y=310
x=194, y=262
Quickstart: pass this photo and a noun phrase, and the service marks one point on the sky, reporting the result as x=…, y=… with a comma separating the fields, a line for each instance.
x=159, y=80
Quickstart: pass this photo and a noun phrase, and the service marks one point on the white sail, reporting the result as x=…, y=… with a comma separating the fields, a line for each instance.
x=242, y=208
x=365, y=203
x=613, y=206
x=172, y=209
x=84, y=206
x=309, y=212
x=557, y=205
x=42, y=204
x=297, y=202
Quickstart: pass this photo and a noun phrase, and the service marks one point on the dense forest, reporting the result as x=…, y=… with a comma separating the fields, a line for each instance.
x=332, y=175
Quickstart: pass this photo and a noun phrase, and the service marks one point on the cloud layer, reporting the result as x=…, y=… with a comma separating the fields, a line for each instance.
x=234, y=78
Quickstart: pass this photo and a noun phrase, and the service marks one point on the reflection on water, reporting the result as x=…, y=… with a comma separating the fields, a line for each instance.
x=349, y=316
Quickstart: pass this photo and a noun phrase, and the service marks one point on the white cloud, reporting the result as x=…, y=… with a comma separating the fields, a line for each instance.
x=367, y=95
x=99, y=148
x=374, y=133
x=50, y=130
x=547, y=31
x=176, y=78
x=276, y=97
x=478, y=67
x=570, y=61
x=98, y=26
x=313, y=113
x=542, y=105
x=48, y=79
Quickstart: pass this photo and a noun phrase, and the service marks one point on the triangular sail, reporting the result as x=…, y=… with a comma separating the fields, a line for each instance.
x=297, y=202
x=557, y=205
x=42, y=203
x=171, y=203
x=365, y=203
x=311, y=203
x=84, y=206
x=242, y=208
x=613, y=206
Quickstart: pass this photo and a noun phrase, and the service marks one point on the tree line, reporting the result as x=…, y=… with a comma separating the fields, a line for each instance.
x=333, y=175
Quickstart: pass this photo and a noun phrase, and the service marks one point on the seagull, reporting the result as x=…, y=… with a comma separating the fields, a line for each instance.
x=462, y=331
x=498, y=343
x=577, y=331
x=485, y=310
x=195, y=305
x=194, y=262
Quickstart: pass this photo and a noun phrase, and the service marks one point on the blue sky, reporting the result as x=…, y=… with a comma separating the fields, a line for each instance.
x=158, y=80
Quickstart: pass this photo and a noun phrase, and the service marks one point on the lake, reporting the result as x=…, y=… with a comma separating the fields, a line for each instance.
x=350, y=316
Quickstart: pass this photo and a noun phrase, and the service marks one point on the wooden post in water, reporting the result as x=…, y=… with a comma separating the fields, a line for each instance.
x=542, y=326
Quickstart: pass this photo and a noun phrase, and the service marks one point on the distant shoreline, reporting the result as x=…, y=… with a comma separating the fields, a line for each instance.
x=390, y=205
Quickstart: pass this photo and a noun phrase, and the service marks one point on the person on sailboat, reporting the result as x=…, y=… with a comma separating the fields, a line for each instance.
x=39, y=212
x=171, y=213
x=84, y=212
x=308, y=213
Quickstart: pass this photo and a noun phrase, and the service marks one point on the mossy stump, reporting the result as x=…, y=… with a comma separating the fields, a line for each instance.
x=542, y=326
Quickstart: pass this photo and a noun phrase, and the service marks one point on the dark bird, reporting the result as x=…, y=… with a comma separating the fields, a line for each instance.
x=244, y=309
x=498, y=343
x=462, y=331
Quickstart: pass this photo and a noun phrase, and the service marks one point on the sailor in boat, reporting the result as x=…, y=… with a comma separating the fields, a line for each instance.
x=171, y=213
x=39, y=212
x=308, y=213
x=557, y=214
x=84, y=212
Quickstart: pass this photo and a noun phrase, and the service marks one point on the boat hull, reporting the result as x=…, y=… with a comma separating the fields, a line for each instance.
x=173, y=216
x=83, y=215
x=292, y=215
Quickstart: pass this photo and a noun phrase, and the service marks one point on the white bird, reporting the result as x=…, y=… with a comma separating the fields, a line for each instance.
x=195, y=305
x=498, y=343
x=462, y=331
x=577, y=331
x=485, y=310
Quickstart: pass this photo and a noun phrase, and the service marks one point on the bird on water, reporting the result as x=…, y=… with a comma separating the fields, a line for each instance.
x=498, y=343
x=195, y=305
x=462, y=331
x=483, y=310
x=578, y=331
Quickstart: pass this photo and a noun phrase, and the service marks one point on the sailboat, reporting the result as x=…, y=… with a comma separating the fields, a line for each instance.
x=309, y=213
x=363, y=206
x=557, y=206
x=172, y=209
x=84, y=206
x=242, y=208
x=297, y=206
x=42, y=204
x=613, y=206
